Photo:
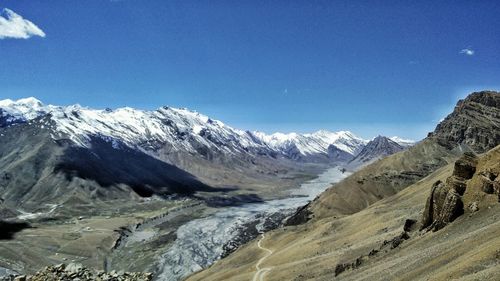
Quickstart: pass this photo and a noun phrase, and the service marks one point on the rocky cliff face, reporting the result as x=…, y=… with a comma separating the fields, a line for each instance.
x=475, y=122
x=475, y=183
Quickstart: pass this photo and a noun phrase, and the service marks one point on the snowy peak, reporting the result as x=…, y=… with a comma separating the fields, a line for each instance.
x=402, y=142
x=27, y=108
x=315, y=143
x=343, y=140
x=179, y=129
x=182, y=129
x=377, y=148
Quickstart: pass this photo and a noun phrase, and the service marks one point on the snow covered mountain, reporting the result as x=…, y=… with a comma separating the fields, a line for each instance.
x=132, y=127
x=181, y=129
x=340, y=145
x=55, y=153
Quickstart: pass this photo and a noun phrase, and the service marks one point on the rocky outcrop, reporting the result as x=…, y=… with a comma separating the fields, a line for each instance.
x=302, y=215
x=465, y=167
x=75, y=272
x=490, y=182
x=445, y=203
x=475, y=122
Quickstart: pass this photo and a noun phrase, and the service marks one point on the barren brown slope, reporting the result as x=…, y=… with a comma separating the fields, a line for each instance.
x=466, y=249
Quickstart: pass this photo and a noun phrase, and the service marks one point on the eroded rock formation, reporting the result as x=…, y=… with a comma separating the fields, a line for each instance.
x=445, y=201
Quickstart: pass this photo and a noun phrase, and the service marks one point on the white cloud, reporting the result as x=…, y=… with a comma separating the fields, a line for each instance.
x=467, y=51
x=13, y=25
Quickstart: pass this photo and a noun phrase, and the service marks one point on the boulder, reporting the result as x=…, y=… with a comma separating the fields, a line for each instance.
x=409, y=225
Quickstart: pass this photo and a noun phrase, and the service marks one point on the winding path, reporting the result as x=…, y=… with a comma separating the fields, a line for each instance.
x=259, y=275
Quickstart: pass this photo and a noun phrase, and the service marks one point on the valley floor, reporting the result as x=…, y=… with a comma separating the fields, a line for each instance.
x=77, y=235
x=136, y=235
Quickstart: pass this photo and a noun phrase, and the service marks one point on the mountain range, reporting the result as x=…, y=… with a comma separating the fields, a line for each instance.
x=47, y=151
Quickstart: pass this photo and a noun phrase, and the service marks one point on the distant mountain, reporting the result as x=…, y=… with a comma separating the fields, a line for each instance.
x=375, y=149
x=182, y=129
x=337, y=146
x=402, y=142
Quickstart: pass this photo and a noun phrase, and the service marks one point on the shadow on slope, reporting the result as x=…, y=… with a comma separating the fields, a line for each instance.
x=111, y=165
x=9, y=229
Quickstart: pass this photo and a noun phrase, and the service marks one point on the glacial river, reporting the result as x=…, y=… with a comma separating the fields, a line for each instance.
x=200, y=242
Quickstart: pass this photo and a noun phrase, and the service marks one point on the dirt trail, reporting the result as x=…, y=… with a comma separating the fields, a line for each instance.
x=259, y=275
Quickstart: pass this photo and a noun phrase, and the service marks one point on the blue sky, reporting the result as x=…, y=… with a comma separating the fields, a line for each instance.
x=372, y=67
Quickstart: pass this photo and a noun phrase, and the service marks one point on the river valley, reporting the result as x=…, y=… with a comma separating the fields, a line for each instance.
x=203, y=241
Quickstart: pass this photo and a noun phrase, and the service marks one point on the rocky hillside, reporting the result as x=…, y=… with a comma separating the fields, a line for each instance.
x=37, y=169
x=475, y=122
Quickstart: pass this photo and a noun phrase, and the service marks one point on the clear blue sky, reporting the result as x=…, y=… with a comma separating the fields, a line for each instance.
x=372, y=67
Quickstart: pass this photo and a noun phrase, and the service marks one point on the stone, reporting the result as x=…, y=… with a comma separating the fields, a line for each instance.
x=60, y=267
x=432, y=205
x=20, y=278
x=489, y=175
x=451, y=209
x=396, y=241
x=341, y=267
x=409, y=224
x=496, y=187
x=465, y=167
x=73, y=267
x=473, y=207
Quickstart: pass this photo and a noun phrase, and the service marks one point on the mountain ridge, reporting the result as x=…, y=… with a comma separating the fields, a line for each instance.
x=376, y=149
x=137, y=127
